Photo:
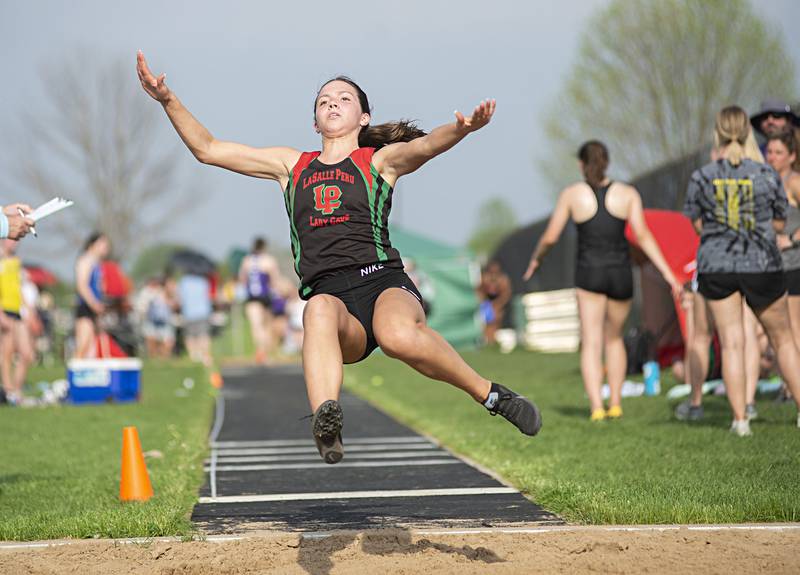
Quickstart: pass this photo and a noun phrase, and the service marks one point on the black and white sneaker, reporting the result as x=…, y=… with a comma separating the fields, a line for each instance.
x=515, y=408
x=326, y=425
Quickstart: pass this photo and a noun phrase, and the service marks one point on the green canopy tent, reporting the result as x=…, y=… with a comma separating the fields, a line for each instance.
x=448, y=276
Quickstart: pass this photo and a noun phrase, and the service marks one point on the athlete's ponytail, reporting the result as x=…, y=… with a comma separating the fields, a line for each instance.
x=382, y=134
x=594, y=157
x=388, y=133
x=731, y=130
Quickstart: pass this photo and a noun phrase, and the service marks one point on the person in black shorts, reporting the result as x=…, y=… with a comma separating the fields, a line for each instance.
x=338, y=201
x=737, y=205
x=603, y=275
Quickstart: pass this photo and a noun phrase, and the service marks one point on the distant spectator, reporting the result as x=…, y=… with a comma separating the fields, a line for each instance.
x=17, y=347
x=737, y=205
x=774, y=117
x=258, y=274
x=781, y=155
x=423, y=283
x=155, y=312
x=89, y=285
x=603, y=275
x=195, y=304
x=494, y=293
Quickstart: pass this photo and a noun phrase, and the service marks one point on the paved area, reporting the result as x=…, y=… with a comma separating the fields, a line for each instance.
x=265, y=473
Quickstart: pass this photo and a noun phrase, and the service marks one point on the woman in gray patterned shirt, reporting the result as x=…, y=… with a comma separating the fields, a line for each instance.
x=737, y=205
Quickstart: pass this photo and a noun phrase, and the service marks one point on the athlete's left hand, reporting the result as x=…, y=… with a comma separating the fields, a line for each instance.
x=784, y=241
x=677, y=290
x=480, y=116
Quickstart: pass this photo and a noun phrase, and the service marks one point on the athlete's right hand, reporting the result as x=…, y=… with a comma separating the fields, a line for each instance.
x=154, y=86
x=532, y=267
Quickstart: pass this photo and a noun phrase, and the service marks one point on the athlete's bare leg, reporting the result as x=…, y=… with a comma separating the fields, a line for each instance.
x=698, y=348
x=84, y=337
x=402, y=332
x=7, y=354
x=616, y=357
x=25, y=357
x=260, y=319
x=775, y=319
x=727, y=315
x=752, y=353
x=794, y=318
x=592, y=311
x=332, y=336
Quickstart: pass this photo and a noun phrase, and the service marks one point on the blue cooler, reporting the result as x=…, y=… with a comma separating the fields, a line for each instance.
x=104, y=380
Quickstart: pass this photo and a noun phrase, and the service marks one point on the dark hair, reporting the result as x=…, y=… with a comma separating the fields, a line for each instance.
x=788, y=139
x=90, y=241
x=259, y=244
x=382, y=134
x=594, y=156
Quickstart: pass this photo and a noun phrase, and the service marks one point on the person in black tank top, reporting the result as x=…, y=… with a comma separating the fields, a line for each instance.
x=603, y=264
x=338, y=202
x=603, y=276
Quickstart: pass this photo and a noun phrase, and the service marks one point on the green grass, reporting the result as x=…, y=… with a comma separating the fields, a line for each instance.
x=645, y=468
x=60, y=465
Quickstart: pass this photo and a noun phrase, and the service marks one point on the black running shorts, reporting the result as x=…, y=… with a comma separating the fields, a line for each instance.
x=793, y=282
x=759, y=290
x=359, y=290
x=615, y=282
x=83, y=310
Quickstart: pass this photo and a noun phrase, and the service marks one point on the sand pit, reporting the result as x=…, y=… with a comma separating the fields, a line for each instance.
x=571, y=550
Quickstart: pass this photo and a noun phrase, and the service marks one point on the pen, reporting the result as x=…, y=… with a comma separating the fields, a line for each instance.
x=33, y=230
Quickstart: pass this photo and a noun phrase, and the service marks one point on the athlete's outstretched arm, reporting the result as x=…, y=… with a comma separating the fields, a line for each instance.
x=551, y=234
x=402, y=158
x=270, y=163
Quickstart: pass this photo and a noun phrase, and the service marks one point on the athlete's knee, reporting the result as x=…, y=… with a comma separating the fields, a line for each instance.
x=732, y=340
x=400, y=341
x=322, y=308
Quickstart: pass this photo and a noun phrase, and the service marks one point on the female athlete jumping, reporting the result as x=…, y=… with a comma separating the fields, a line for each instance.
x=338, y=201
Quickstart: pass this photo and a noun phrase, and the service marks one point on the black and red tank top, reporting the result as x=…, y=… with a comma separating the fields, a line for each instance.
x=338, y=217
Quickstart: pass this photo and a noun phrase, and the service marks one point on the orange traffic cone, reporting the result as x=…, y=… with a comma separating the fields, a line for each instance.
x=134, y=484
x=216, y=379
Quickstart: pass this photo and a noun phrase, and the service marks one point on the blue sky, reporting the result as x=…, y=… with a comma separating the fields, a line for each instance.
x=249, y=71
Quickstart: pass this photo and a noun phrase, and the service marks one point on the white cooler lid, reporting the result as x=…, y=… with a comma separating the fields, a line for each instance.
x=114, y=363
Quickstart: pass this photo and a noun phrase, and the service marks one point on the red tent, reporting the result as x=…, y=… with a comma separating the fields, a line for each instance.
x=678, y=241
x=115, y=283
x=40, y=276
x=675, y=235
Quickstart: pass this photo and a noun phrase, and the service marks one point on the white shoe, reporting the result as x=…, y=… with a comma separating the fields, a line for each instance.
x=741, y=428
x=798, y=420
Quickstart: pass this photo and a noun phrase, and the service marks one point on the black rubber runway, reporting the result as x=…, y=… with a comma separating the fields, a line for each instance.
x=265, y=473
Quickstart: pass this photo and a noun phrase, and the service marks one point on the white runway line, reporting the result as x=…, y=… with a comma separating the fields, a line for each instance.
x=219, y=418
x=359, y=494
x=309, y=441
x=321, y=465
x=311, y=449
x=314, y=457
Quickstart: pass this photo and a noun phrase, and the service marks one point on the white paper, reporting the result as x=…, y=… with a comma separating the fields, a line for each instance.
x=51, y=207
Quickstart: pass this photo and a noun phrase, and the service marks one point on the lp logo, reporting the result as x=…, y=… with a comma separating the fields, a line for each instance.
x=326, y=199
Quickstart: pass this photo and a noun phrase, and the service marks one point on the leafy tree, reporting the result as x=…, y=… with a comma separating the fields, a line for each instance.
x=95, y=139
x=651, y=75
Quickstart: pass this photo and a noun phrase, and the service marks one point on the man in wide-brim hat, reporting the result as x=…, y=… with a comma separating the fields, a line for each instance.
x=775, y=116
